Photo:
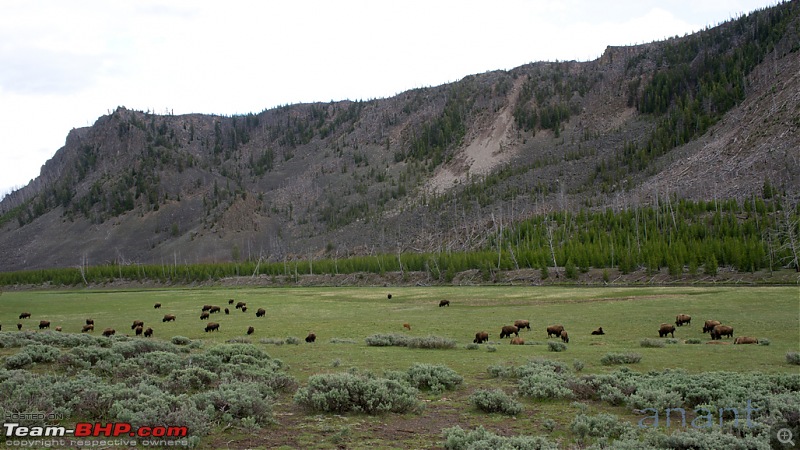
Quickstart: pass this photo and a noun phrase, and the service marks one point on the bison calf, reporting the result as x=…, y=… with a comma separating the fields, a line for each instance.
x=19, y=326
x=508, y=330
x=230, y=301
x=108, y=332
x=389, y=296
x=564, y=336
x=139, y=330
x=481, y=337
x=666, y=329
x=227, y=311
x=555, y=330
x=444, y=303
x=598, y=332
x=682, y=319
x=168, y=318
x=407, y=326
x=311, y=337
x=250, y=330
x=58, y=329
x=44, y=324
x=212, y=326
x=517, y=341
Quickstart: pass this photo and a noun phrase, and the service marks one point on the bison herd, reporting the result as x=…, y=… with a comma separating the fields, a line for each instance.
x=713, y=327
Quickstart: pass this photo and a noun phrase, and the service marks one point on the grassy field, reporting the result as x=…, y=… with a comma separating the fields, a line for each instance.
x=626, y=314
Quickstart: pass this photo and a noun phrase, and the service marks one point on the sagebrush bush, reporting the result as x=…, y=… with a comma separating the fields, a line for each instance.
x=180, y=340
x=456, y=438
x=694, y=341
x=472, y=346
x=555, y=346
x=435, y=342
x=237, y=401
x=348, y=392
x=18, y=361
x=652, y=343
x=600, y=425
x=191, y=379
x=491, y=348
x=342, y=341
x=135, y=347
x=273, y=341
x=386, y=340
x=577, y=365
x=620, y=358
x=437, y=378
x=793, y=358
x=160, y=363
x=495, y=401
x=239, y=340
x=763, y=341
x=293, y=340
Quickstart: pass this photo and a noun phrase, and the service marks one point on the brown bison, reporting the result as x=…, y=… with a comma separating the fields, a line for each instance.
x=19, y=326
x=555, y=330
x=721, y=330
x=508, y=330
x=311, y=337
x=522, y=324
x=108, y=332
x=481, y=337
x=261, y=312
x=240, y=305
x=206, y=307
x=25, y=315
x=564, y=336
x=709, y=325
x=89, y=321
x=389, y=296
x=44, y=324
x=204, y=315
x=58, y=329
x=444, y=303
x=517, y=341
x=681, y=319
x=227, y=311
x=250, y=330
x=244, y=308
x=168, y=318
x=745, y=340
x=148, y=332
x=407, y=326
x=139, y=330
x=666, y=329
x=212, y=326
x=137, y=323
x=598, y=332
x=230, y=301
x=87, y=328
x=214, y=309
x=157, y=305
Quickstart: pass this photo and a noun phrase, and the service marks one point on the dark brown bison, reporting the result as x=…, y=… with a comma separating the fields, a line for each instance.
x=444, y=303
x=108, y=332
x=230, y=301
x=168, y=318
x=555, y=330
x=508, y=330
x=87, y=328
x=157, y=305
x=206, y=307
x=139, y=330
x=666, y=329
x=721, y=330
x=212, y=326
x=25, y=315
x=214, y=309
x=250, y=330
x=682, y=319
x=204, y=315
x=522, y=324
x=745, y=340
x=227, y=311
x=244, y=308
x=137, y=323
x=58, y=329
x=564, y=336
x=517, y=341
x=261, y=312
x=148, y=332
x=598, y=332
x=19, y=326
x=89, y=321
x=240, y=304
x=709, y=325
x=389, y=296
x=481, y=337
x=311, y=337
x=407, y=326
x=44, y=324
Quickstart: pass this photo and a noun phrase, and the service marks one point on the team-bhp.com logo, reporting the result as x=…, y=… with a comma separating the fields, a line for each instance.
x=88, y=429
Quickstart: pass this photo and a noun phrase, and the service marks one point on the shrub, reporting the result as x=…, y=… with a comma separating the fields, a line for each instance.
x=42, y=353
x=652, y=343
x=342, y=341
x=672, y=341
x=620, y=358
x=549, y=425
x=491, y=348
x=763, y=341
x=292, y=340
x=135, y=347
x=161, y=363
x=386, y=340
x=227, y=351
x=153, y=407
x=600, y=425
x=18, y=361
x=694, y=341
x=237, y=401
x=180, y=340
x=496, y=400
x=348, y=392
x=577, y=365
x=456, y=438
x=435, y=342
x=437, y=378
x=472, y=346
x=793, y=358
x=239, y=340
x=273, y=341
x=191, y=379
x=555, y=346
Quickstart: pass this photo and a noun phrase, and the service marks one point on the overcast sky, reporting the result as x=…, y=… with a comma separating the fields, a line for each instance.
x=63, y=64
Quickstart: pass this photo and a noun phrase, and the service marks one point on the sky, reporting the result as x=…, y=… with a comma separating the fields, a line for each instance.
x=65, y=64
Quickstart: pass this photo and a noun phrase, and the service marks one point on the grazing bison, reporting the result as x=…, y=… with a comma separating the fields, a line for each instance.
x=139, y=330
x=311, y=337
x=745, y=340
x=564, y=337
x=250, y=330
x=244, y=308
x=168, y=318
x=389, y=296
x=261, y=312
x=212, y=326
x=666, y=329
x=598, y=332
x=59, y=329
x=230, y=301
x=157, y=305
x=206, y=307
x=108, y=332
x=19, y=326
x=517, y=341
x=214, y=309
x=137, y=323
x=721, y=330
x=407, y=326
x=204, y=315
x=227, y=311
x=148, y=332
x=44, y=324
x=681, y=319
x=89, y=321
x=444, y=303
x=522, y=324
x=25, y=315
x=87, y=328
x=508, y=330
x=481, y=337
x=709, y=325
x=555, y=330
x=240, y=304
